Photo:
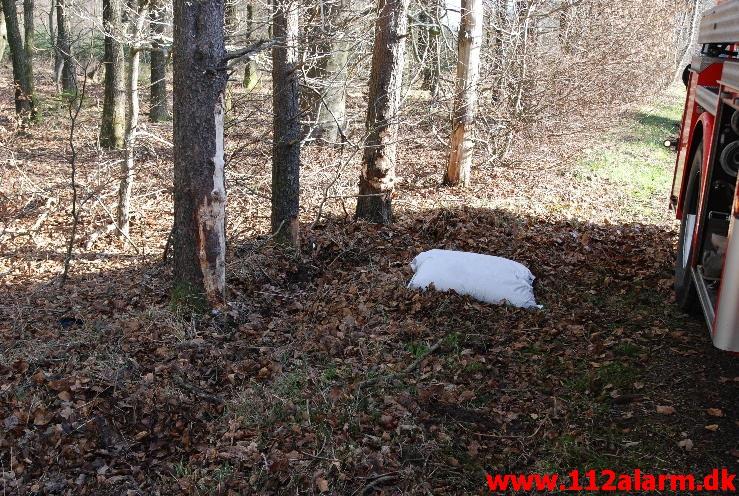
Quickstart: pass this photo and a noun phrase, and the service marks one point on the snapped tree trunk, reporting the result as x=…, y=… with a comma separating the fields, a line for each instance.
x=326, y=78
x=199, y=235
x=113, y=123
x=132, y=121
x=286, y=103
x=3, y=34
x=69, y=78
x=468, y=75
x=158, y=110
x=377, y=181
x=24, y=99
x=251, y=72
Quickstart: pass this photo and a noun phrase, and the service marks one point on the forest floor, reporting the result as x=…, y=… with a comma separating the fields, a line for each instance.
x=326, y=374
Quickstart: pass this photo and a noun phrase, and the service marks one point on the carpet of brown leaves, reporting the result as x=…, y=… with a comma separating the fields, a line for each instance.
x=325, y=374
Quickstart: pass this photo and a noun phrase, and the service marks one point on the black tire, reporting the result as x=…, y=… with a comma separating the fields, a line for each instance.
x=686, y=295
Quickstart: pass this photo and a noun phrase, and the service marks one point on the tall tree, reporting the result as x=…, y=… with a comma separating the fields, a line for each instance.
x=132, y=117
x=24, y=99
x=3, y=34
x=251, y=74
x=377, y=181
x=113, y=125
x=199, y=235
x=29, y=32
x=286, y=120
x=468, y=75
x=429, y=46
x=158, y=109
x=326, y=95
x=69, y=77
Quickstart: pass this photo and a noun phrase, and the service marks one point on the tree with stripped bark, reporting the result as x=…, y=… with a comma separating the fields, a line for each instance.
x=377, y=180
x=468, y=74
x=286, y=122
x=199, y=233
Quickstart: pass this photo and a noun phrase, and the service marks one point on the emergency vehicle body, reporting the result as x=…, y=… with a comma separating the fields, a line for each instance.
x=705, y=195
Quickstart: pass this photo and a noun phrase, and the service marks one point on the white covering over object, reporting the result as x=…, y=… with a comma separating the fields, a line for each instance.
x=484, y=277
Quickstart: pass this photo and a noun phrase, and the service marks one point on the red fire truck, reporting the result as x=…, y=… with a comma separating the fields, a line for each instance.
x=705, y=195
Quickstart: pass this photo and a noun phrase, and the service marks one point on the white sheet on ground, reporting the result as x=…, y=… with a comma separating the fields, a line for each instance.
x=484, y=277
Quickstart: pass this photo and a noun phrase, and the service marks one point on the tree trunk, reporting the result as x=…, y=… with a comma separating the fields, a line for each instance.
x=377, y=180
x=24, y=100
x=58, y=61
x=113, y=124
x=3, y=34
x=69, y=78
x=158, y=111
x=430, y=47
x=286, y=103
x=468, y=74
x=326, y=96
x=199, y=235
x=30, y=43
x=251, y=73
x=132, y=122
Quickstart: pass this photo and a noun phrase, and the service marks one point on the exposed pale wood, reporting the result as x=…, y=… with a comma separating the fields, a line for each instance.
x=377, y=180
x=468, y=74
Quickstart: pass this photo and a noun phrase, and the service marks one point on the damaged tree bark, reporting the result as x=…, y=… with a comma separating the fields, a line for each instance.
x=286, y=144
x=377, y=180
x=199, y=236
x=468, y=75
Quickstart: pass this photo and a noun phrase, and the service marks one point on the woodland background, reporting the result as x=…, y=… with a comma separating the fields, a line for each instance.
x=323, y=373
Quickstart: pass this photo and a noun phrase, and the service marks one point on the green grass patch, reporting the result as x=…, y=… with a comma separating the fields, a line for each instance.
x=636, y=158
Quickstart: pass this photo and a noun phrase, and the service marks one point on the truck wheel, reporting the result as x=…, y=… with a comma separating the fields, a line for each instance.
x=685, y=292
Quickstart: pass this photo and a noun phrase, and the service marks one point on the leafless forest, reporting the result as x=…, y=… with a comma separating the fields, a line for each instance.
x=207, y=212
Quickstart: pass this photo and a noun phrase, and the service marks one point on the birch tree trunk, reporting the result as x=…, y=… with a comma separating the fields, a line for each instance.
x=468, y=75
x=113, y=124
x=326, y=97
x=69, y=78
x=286, y=121
x=158, y=110
x=377, y=180
x=199, y=235
x=132, y=122
x=24, y=100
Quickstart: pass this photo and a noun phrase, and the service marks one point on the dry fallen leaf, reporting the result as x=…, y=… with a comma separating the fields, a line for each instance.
x=322, y=485
x=665, y=410
x=686, y=444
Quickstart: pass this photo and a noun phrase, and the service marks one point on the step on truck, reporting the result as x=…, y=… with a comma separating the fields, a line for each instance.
x=705, y=193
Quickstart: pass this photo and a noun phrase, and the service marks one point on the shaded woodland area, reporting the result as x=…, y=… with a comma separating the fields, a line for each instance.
x=207, y=212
